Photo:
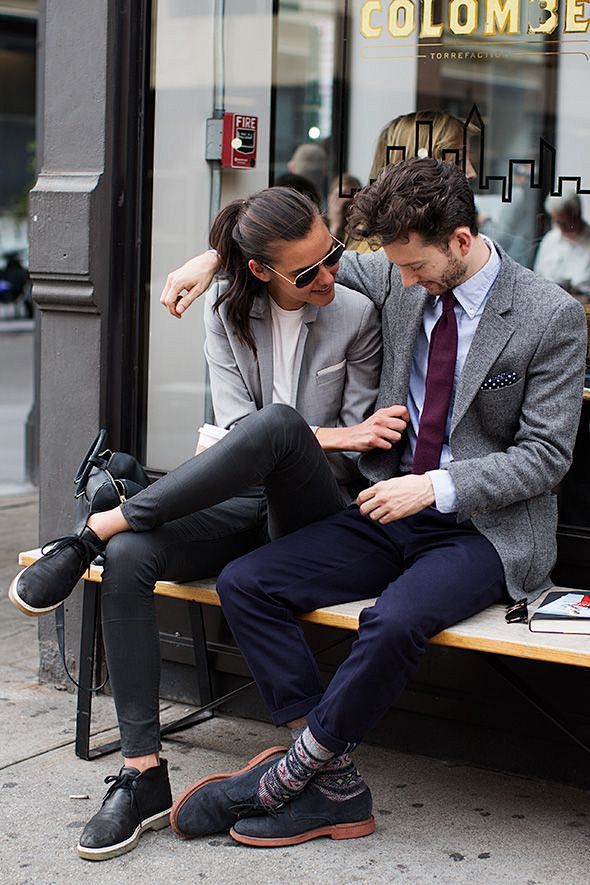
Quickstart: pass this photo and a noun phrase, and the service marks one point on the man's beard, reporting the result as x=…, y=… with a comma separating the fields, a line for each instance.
x=455, y=273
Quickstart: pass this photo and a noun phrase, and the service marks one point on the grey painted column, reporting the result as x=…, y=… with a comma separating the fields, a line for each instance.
x=71, y=208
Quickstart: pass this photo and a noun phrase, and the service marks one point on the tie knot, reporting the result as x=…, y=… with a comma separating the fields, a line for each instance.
x=448, y=300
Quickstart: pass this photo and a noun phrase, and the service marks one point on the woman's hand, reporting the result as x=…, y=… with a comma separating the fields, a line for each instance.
x=381, y=430
x=193, y=278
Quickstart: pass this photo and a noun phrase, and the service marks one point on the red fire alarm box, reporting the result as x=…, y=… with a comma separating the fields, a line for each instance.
x=240, y=136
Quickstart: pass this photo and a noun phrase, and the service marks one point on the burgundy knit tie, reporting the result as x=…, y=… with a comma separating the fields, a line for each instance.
x=442, y=356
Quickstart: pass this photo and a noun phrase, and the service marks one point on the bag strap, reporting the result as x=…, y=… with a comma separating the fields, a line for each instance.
x=88, y=460
x=60, y=630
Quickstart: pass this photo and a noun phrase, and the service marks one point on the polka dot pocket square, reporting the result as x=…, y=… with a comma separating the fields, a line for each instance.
x=496, y=382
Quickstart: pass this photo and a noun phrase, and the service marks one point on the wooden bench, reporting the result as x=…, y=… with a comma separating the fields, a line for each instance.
x=486, y=632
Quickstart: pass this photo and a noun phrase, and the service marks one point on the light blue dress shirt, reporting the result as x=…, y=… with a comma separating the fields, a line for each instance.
x=472, y=297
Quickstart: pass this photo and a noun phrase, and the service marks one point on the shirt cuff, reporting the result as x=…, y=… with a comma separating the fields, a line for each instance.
x=445, y=493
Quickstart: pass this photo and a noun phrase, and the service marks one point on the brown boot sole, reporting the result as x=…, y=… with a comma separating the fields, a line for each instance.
x=257, y=760
x=335, y=831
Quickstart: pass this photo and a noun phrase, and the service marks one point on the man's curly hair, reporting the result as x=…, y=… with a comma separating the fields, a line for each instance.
x=427, y=197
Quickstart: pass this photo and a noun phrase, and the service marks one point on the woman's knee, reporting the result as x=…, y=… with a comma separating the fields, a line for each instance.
x=278, y=417
x=130, y=560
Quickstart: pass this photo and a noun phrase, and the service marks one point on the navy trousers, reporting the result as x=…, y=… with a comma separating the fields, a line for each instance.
x=427, y=572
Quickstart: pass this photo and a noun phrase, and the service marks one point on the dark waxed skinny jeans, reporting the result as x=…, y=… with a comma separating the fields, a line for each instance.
x=266, y=478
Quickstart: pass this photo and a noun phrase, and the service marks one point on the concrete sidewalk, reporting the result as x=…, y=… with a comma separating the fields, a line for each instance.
x=436, y=821
x=16, y=396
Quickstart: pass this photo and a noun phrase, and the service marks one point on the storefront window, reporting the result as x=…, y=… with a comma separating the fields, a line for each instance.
x=507, y=78
x=186, y=71
x=308, y=99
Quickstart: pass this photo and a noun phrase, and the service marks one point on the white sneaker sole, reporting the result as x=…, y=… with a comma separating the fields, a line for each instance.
x=157, y=822
x=21, y=605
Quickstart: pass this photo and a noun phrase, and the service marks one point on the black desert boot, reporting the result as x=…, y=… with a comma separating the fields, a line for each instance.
x=212, y=804
x=43, y=586
x=135, y=801
x=308, y=816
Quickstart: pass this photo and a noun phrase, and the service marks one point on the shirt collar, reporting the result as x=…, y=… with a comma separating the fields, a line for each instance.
x=472, y=293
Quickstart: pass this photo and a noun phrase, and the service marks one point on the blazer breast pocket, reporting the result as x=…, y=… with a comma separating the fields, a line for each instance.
x=499, y=401
x=501, y=381
x=331, y=374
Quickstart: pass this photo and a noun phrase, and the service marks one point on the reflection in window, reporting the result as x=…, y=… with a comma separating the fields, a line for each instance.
x=508, y=99
x=307, y=113
x=522, y=84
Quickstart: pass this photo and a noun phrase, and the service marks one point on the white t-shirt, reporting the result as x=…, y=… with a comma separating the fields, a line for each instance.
x=286, y=326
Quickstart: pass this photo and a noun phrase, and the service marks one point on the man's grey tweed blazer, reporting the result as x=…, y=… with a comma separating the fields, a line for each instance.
x=512, y=443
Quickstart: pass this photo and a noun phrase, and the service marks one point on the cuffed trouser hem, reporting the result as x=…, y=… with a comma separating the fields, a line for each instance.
x=134, y=752
x=134, y=526
x=336, y=745
x=140, y=741
x=295, y=711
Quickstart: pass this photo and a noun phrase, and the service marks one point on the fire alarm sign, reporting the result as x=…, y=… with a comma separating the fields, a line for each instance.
x=239, y=141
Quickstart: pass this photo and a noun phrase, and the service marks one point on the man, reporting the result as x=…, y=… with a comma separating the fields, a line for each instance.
x=490, y=361
x=310, y=161
x=564, y=252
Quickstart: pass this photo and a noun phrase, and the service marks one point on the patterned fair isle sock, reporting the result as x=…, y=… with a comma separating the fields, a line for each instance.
x=297, y=732
x=339, y=779
x=290, y=775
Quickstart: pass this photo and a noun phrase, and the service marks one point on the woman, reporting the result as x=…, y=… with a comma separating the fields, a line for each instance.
x=420, y=134
x=281, y=337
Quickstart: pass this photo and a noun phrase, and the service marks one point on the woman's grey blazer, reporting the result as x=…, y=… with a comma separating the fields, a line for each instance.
x=336, y=371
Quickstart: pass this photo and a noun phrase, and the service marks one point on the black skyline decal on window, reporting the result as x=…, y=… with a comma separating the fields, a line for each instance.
x=541, y=171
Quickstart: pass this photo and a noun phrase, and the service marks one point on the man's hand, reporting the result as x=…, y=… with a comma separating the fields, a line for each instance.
x=396, y=498
x=381, y=430
x=193, y=278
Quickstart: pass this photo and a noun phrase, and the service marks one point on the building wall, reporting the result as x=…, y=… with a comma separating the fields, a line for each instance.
x=71, y=208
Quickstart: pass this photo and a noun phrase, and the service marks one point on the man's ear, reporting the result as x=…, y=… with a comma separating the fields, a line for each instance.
x=464, y=239
x=259, y=270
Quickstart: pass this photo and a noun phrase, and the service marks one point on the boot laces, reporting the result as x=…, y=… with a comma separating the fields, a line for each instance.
x=122, y=781
x=84, y=547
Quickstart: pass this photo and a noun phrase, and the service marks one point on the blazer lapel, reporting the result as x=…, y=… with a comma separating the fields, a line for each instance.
x=493, y=332
x=261, y=325
x=411, y=308
x=310, y=313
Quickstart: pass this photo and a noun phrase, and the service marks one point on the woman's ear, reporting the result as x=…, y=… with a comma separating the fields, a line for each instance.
x=259, y=270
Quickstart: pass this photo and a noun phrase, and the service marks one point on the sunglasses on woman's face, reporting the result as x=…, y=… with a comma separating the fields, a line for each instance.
x=308, y=275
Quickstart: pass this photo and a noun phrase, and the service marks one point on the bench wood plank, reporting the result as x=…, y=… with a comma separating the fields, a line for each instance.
x=486, y=631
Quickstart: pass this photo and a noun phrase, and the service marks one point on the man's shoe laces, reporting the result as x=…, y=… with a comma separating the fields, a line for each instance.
x=246, y=809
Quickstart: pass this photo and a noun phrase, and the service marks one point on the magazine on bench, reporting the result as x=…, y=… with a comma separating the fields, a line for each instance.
x=562, y=612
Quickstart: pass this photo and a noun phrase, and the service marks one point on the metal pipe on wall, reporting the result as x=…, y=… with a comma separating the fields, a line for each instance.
x=218, y=101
